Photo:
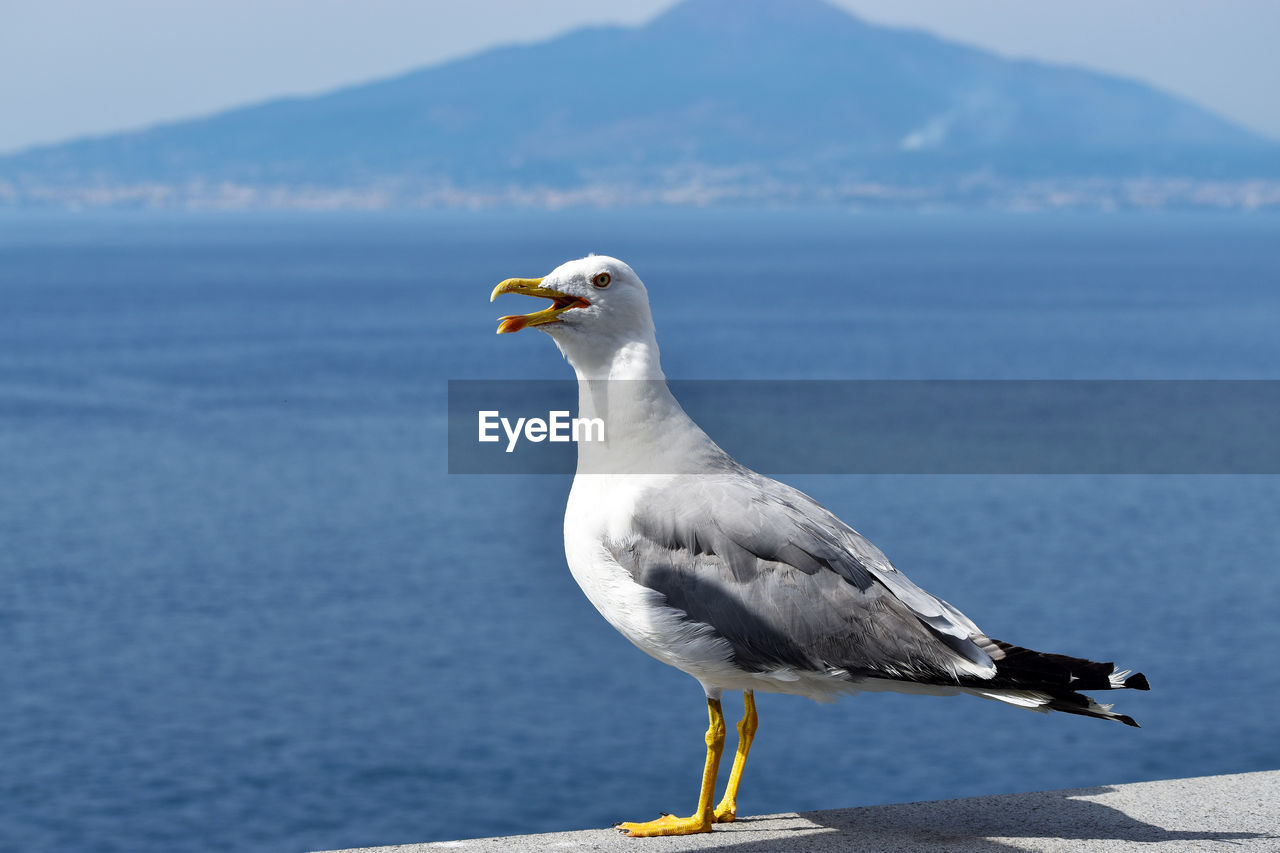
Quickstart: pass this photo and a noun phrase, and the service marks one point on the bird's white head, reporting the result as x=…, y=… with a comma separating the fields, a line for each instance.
x=599, y=316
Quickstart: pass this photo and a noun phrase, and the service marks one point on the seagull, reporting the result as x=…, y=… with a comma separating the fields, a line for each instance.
x=738, y=580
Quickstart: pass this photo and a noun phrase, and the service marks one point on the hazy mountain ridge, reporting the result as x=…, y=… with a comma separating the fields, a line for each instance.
x=765, y=101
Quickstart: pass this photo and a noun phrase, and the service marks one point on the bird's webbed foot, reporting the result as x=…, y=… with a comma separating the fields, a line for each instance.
x=667, y=825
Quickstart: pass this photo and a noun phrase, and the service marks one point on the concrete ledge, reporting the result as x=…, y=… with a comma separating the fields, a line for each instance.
x=1238, y=813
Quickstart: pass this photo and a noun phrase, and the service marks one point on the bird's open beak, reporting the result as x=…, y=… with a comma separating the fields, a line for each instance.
x=560, y=303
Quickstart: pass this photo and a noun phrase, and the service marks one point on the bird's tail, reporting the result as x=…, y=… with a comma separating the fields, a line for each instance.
x=1046, y=682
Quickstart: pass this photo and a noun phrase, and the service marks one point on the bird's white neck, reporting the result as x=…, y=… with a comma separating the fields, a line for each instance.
x=646, y=430
x=632, y=356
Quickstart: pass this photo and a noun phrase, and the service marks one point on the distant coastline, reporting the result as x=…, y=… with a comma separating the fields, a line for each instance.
x=977, y=193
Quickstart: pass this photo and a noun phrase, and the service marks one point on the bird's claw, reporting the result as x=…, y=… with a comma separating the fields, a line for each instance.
x=666, y=825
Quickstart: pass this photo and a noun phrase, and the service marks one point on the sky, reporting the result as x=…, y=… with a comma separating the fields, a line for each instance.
x=71, y=68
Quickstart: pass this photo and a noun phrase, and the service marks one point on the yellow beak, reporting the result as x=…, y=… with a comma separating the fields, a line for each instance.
x=561, y=302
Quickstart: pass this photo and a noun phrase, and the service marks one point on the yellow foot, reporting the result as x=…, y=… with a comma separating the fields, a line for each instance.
x=666, y=825
x=725, y=813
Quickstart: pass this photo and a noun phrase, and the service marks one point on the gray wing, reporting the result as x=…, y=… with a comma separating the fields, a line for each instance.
x=789, y=585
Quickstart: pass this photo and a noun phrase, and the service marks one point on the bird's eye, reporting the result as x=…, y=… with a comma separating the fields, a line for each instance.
x=601, y=280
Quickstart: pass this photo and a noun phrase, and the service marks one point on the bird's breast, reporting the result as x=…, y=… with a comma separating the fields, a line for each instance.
x=597, y=519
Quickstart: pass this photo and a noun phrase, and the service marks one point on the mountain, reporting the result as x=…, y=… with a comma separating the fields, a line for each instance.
x=715, y=100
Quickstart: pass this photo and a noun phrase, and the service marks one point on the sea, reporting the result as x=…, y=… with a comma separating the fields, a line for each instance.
x=244, y=606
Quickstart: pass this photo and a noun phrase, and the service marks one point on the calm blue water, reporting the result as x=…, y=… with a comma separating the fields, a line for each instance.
x=244, y=608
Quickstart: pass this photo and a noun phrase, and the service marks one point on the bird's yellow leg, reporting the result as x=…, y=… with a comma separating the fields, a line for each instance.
x=701, y=820
x=728, y=808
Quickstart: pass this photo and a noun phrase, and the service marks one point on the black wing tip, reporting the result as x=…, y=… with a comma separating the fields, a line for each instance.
x=1137, y=681
x=1078, y=703
x=1022, y=667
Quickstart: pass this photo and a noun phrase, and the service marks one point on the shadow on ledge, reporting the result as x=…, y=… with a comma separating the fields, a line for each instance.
x=973, y=824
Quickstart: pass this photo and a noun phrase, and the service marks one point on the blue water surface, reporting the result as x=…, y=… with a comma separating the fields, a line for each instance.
x=244, y=607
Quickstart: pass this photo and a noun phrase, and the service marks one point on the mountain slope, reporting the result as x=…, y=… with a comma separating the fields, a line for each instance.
x=768, y=96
